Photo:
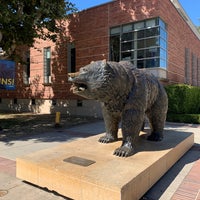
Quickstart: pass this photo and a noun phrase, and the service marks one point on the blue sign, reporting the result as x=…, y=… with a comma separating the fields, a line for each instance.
x=7, y=75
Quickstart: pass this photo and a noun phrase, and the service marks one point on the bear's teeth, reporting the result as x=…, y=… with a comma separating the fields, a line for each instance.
x=81, y=88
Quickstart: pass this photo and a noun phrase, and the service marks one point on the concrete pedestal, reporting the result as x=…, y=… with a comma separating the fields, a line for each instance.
x=86, y=169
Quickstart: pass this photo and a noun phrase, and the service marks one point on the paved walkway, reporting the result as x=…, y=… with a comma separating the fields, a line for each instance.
x=181, y=182
x=190, y=187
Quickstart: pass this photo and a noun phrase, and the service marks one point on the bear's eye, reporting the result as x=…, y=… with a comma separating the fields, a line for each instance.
x=84, y=70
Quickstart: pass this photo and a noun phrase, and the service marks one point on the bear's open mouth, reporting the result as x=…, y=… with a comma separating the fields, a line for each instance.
x=79, y=87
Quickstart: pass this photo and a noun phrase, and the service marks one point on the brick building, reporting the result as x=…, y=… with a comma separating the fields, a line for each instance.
x=156, y=35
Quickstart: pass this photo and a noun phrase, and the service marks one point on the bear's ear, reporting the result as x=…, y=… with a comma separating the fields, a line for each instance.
x=103, y=63
x=107, y=67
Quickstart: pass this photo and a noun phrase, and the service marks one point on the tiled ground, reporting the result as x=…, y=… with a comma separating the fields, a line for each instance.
x=189, y=189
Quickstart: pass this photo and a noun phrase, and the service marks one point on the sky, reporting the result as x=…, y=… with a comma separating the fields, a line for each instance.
x=192, y=7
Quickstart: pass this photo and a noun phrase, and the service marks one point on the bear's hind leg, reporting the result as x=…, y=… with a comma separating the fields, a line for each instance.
x=155, y=136
x=157, y=122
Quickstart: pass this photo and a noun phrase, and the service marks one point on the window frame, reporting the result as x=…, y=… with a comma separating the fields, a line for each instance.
x=140, y=36
x=26, y=71
x=47, y=65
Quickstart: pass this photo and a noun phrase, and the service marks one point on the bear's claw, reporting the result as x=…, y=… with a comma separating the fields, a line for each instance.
x=123, y=151
x=106, y=139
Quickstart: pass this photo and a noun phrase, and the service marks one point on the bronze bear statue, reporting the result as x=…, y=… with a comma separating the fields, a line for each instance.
x=127, y=94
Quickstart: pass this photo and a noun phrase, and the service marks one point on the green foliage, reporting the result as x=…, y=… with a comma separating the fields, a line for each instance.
x=22, y=21
x=184, y=103
x=183, y=99
x=184, y=118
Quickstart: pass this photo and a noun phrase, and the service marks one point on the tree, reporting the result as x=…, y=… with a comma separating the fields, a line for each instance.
x=22, y=21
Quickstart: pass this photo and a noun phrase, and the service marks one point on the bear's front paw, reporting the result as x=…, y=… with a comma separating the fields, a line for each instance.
x=107, y=139
x=124, y=151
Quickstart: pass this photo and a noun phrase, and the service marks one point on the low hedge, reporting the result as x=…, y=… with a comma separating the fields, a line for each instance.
x=184, y=118
x=183, y=99
x=183, y=103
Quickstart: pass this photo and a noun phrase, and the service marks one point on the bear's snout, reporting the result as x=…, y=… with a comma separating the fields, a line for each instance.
x=71, y=76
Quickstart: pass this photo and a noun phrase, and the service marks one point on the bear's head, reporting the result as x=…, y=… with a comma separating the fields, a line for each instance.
x=92, y=81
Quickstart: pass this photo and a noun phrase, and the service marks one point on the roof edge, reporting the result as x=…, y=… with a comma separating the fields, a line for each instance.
x=186, y=18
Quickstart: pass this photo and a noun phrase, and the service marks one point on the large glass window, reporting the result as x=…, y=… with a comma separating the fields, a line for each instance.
x=115, y=48
x=26, y=72
x=47, y=65
x=143, y=43
x=71, y=57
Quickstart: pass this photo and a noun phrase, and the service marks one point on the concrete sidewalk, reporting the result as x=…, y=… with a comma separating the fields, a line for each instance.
x=170, y=186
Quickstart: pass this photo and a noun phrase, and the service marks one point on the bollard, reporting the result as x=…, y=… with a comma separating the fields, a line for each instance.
x=57, y=119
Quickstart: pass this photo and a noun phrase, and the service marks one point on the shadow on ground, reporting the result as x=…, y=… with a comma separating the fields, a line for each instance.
x=163, y=184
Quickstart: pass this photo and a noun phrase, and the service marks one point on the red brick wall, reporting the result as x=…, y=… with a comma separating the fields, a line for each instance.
x=180, y=36
x=89, y=31
x=91, y=35
x=59, y=89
